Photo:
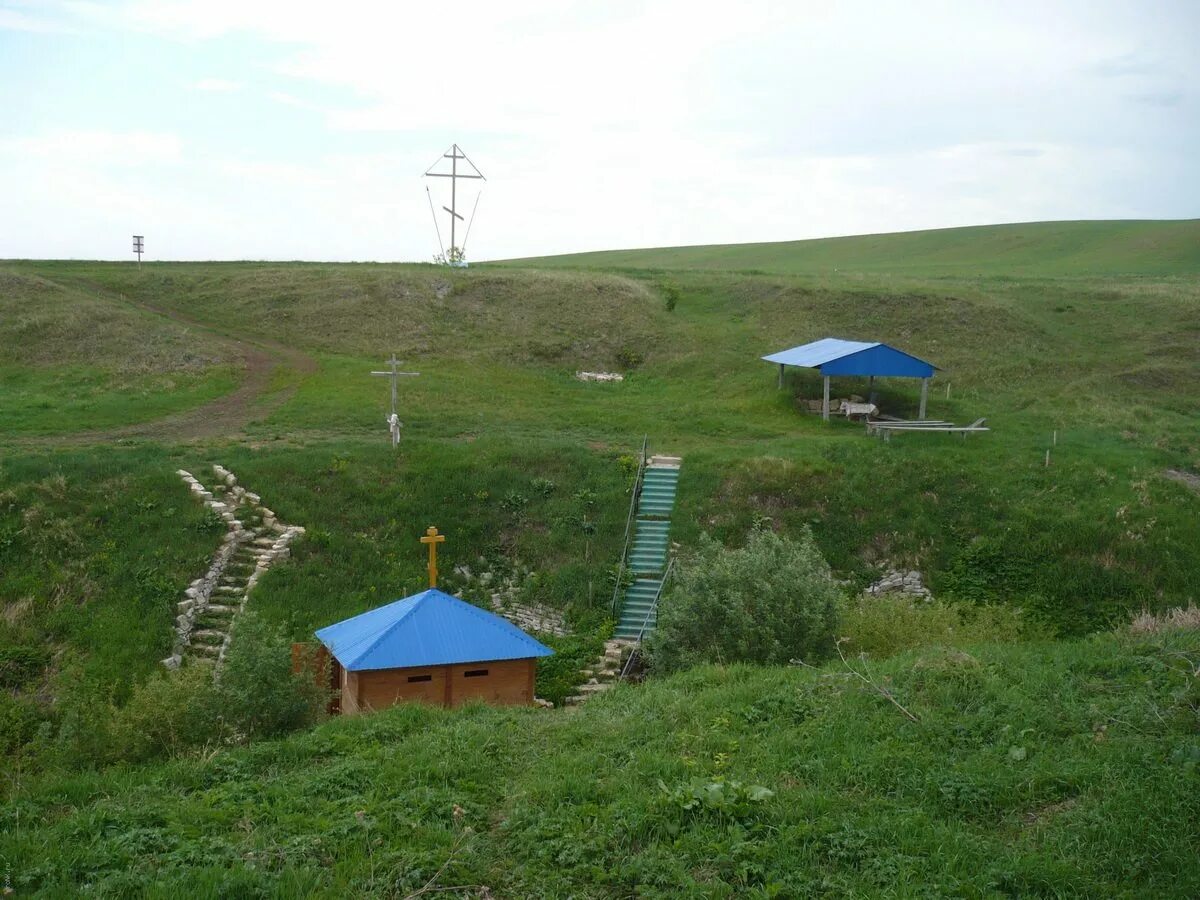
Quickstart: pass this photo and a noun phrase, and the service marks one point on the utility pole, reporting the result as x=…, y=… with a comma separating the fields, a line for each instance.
x=138, y=245
x=454, y=155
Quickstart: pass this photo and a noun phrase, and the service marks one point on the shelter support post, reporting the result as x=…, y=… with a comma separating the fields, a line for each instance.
x=781, y=376
x=924, y=398
x=871, y=389
x=825, y=401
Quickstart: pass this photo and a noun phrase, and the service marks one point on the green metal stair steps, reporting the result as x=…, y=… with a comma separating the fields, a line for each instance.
x=639, y=598
x=648, y=552
x=658, y=493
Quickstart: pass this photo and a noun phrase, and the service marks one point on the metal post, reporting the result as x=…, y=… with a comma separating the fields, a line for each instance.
x=781, y=376
x=924, y=397
x=871, y=389
x=825, y=402
x=393, y=384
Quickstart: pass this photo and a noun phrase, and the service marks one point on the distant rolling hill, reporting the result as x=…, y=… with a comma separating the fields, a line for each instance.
x=1128, y=247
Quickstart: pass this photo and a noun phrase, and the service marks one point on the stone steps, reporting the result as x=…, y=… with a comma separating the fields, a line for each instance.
x=602, y=674
x=254, y=540
x=594, y=687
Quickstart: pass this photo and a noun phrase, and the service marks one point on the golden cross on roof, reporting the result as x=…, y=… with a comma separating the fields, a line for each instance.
x=432, y=538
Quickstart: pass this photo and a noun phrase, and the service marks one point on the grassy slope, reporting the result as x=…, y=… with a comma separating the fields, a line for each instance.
x=1033, y=248
x=1055, y=770
x=1106, y=362
x=92, y=560
x=71, y=360
x=97, y=546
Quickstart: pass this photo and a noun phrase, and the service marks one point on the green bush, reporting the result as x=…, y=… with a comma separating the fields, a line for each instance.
x=768, y=602
x=886, y=625
x=19, y=721
x=21, y=664
x=168, y=713
x=257, y=694
x=559, y=675
x=671, y=294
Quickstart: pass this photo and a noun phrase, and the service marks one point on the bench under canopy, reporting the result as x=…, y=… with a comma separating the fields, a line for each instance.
x=834, y=356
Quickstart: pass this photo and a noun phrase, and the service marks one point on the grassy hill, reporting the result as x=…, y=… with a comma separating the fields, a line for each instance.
x=1028, y=249
x=70, y=359
x=114, y=378
x=1052, y=770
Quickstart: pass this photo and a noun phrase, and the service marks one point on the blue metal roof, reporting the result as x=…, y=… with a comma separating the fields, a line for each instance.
x=427, y=629
x=818, y=352
x=833, y=356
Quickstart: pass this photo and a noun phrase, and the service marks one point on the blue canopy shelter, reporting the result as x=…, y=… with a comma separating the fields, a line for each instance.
x=431, y=647
x=834, y=356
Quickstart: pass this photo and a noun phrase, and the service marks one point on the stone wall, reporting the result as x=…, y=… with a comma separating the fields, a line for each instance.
x=895, y=581
x=503, y=592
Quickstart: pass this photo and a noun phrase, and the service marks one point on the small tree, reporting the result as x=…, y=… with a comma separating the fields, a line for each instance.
x=768, y=602
x=456, y=256
x=257, y=693
x=671, y=294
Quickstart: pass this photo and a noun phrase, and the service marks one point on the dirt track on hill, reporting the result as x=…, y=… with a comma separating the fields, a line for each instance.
x=225, y=416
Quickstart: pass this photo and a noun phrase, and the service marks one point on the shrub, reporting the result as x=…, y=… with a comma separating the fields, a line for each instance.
x=514, y=503
x=258, y=694
x=768, y=602
x=630, y=358
x=19, y=721
x=671, y=294
x=168, y=713
x=889, y=624
x=559, y=675
x=727, y=798
x=20, y=664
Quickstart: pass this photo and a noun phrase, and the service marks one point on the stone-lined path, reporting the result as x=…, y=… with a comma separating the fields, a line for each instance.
x=604, y=672
x=254, y=540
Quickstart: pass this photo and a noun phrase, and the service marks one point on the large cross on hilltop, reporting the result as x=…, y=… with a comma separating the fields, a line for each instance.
x=454, y=156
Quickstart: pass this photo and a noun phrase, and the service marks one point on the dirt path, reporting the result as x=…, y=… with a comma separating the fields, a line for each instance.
x=225, y=416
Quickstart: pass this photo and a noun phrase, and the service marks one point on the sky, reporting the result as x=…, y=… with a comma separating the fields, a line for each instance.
x=235, y=129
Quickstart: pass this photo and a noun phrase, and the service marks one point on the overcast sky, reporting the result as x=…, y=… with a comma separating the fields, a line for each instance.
x=225, y=129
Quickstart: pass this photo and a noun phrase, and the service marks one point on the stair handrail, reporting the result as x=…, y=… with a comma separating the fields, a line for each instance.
x=633, y=499
x=641, y=631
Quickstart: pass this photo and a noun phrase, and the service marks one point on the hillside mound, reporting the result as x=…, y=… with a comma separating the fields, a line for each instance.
x=555, y=318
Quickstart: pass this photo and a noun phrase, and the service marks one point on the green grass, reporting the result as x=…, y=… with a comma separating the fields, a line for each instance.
x=1076, y=777
x=67, y=398
x=71, y=360
x=97, y=548
x=1032, y=248
x=1105, y=362
x=1090, y=331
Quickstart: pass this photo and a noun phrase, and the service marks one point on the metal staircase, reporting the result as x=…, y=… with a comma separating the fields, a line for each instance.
x=647, y=557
